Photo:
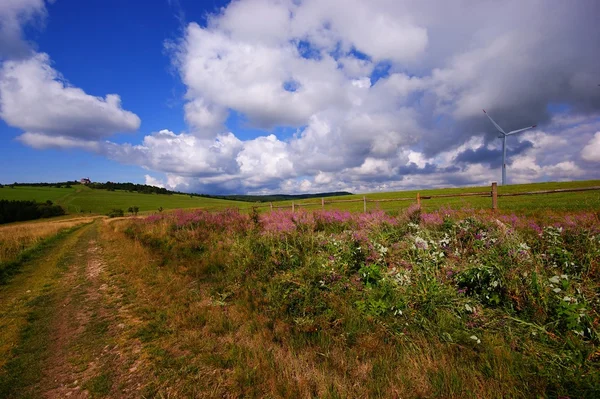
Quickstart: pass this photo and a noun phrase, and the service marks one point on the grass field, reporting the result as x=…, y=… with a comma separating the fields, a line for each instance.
x=17, y=237
x=83, y=199
x=333, y=304
x=528, y=204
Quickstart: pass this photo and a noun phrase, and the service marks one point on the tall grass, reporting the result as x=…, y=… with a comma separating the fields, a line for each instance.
x=16, y=238
x=334, y=304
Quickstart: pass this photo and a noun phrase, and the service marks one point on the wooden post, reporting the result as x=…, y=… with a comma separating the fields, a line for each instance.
x=364, y=204
x=323, y=203
x=419, y=200
x=293, y=208
x=494, y=196
x=271, y=204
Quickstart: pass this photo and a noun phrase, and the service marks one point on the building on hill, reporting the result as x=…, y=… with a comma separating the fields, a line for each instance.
x=85, y=180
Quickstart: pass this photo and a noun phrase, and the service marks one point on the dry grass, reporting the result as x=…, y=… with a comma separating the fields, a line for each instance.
x=200, y=346
x=16, y=298
x=17, y=237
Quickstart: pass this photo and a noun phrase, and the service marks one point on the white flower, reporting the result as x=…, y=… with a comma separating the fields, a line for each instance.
x=524, y=246
x=474, y=338
x=557, y=290
x=421, y=243
x=554, y=280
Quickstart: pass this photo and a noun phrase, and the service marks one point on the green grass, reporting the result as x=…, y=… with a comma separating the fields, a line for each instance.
x=527, y=204
x=83, y=199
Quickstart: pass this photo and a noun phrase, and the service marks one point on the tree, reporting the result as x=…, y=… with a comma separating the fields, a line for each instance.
x=136, y=210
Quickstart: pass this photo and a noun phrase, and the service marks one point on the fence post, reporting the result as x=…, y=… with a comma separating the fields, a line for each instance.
x=271, y=204
x=323, y=203
x=293, y=208
x=419, y=200
x=494, y=196
x=364, y=204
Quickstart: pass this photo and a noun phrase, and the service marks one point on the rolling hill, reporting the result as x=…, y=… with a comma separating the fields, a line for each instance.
x=83, y=199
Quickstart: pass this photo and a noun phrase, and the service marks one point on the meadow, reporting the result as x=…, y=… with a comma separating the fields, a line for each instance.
x=82, y=199
x=527, y=204
x=337, y=304
x=432, y=301
x=19, y=240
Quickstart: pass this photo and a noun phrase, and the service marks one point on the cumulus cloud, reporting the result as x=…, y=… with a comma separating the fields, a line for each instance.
x=382, y=95
x=35, y=98
x=591, y=152
x=14, y=14
x=42, y=141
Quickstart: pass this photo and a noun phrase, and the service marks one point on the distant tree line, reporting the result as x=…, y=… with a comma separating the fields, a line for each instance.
x=146, y=189
x=139, y=188
x=273, y=197
x=65, y=184
x=17, y=211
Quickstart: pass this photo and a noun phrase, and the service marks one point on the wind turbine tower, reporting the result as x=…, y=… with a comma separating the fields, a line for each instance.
x=503, y=137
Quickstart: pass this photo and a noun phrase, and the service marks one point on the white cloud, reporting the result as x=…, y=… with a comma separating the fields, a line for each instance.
x=320, y=67
x=41, y=142
x=14, y=14
x=35, y=98
x=591, y=152
x=382, y=95
x=152, y=181
x=205, y=119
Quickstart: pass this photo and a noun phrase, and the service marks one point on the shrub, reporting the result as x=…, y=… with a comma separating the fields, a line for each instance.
x=115, y=213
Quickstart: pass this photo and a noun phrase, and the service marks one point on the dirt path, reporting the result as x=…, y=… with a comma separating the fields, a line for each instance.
x=91, y=354
x=82, y=347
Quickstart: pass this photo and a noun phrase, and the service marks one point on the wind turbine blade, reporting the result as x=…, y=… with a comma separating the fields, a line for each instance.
x=520, y=130
x=495, y=124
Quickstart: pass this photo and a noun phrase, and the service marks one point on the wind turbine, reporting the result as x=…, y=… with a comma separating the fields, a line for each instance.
x=503, y=137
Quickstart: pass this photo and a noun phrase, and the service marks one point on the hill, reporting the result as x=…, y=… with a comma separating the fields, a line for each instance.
x=83, y=199
x=526, y=204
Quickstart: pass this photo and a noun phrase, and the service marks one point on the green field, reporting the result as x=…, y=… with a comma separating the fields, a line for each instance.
x=83, y=199
x=526, y=204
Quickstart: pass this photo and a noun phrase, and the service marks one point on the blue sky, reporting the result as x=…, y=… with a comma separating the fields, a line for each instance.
x=261, y=96
x=100, y=45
